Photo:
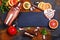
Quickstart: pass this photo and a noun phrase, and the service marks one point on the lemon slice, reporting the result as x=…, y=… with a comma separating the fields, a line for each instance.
x=40, y=5
x=26, y=5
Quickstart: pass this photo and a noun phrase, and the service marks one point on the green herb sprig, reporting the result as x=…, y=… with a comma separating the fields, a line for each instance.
x=44, y=32
x=3, y=7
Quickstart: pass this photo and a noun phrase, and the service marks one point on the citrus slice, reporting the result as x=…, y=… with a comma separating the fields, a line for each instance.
x=44, y=6
x=13, y=2
x=40, y=5
x=26, y=5
x=47, y=6
x=53, y=24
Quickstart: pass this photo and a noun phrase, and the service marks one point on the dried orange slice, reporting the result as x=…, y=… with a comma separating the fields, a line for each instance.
x=26, y=5
x=40, y=5
x=13, y=2
x=53, y=24
x=44, y=6
x=47, y=6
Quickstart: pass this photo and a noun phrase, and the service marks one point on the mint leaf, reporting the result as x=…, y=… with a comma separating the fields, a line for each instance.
x=44, y=32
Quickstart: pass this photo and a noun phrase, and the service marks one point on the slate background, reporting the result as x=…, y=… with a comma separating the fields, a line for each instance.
x=36, y=19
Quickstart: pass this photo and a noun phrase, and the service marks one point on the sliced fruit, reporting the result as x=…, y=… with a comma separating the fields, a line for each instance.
x=40, y=5
x=10, y=3
x=44, y=6
x=26, y=5
x=13, y=2
x=47, y=6
x=53, y=24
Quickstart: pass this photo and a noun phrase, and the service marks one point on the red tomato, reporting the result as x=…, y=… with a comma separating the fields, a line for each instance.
x=12, y=30
x=53, y=24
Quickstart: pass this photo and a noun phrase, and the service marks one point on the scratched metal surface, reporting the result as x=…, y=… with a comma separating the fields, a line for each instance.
x=36, y=19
